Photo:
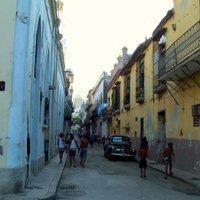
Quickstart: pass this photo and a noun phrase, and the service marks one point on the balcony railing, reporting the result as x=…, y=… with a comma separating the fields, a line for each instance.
x=107, y=113
x=182, y=48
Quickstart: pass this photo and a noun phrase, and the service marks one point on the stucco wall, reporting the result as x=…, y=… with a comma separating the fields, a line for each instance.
x=7, y=21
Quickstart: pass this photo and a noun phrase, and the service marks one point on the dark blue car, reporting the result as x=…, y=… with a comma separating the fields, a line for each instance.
x=119, y=146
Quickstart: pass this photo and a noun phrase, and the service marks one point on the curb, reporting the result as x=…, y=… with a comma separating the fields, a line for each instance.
x=54, y=184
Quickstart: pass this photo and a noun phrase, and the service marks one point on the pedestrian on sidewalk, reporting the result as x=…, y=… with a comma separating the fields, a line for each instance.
x=73, y=144
x=61, y=146
x=103, y=140
x=83, y=147
x=168, y=157
x=91, y=140
x=98, y=139
x=143, y=161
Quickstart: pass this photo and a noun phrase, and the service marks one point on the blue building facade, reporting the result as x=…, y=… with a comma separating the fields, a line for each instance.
x=34, y=90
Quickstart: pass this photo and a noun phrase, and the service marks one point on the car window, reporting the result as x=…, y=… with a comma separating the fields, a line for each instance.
x=117, y=139
x=120, y=139
x=125, y=139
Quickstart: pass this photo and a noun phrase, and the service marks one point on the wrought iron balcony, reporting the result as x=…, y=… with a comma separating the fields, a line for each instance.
x=107, y=113
x=182, y=58
x=94, y=113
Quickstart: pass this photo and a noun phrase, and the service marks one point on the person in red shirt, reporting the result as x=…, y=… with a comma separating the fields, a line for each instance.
x=143, y=162
x=83, y=149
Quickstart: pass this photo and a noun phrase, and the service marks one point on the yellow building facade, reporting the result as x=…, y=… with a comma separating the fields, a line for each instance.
x=160, y=89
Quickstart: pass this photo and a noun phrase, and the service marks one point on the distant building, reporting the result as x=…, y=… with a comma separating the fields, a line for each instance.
x=77, y=102
x=97, y=101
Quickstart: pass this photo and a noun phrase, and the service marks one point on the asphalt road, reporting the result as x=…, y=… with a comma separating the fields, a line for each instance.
x=102, y=179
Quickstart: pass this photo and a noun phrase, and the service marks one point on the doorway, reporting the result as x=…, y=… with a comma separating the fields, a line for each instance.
x=161, y=136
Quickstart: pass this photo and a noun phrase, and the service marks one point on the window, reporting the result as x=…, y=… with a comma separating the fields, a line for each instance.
x=196, y=115
x=127, y=89
x=46, y=111
x=121, y=139
x=2, y=86
x=108, y=102
x=140, y=81
x=113, y=98
x=158, y=58
x=117, y=139
x=117, y=96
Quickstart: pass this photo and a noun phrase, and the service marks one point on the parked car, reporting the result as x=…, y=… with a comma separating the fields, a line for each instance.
x=119, y=146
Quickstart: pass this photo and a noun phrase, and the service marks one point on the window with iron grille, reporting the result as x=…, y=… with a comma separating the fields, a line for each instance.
x=117, y=96
x=127, y=89
x=113, y=99
x=158, y=58
x=108, y=102
x=196, y=115
x=140, y=80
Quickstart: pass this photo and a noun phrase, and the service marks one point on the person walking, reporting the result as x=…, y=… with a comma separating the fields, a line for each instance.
x=83, y=148
x=61, y=146
x=98, y=139
x=73, y=144
x=91, y=140
x=168, y=157
x=143, y=162
x=103, y=140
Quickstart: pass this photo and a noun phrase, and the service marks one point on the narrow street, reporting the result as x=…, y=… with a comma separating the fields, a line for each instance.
x=103, y=179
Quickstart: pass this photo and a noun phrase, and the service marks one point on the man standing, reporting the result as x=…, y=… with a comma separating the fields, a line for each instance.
x=83, y=147
x=168, y=156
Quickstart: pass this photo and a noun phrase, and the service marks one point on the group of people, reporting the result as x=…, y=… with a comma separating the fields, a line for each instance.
x=143, y=154
x=70, y=145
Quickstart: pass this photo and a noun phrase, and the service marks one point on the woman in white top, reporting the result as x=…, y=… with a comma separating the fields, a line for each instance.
x=72, y=150
x=61, y=146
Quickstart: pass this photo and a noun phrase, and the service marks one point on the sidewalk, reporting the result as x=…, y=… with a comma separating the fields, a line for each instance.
x=181, y=175
x=44, y=185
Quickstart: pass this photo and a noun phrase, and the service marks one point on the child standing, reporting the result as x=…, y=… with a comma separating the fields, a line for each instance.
x=143, y=162
x=61, y=146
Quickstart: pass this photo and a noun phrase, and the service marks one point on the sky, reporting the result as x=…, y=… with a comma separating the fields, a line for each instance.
x=97, y=30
